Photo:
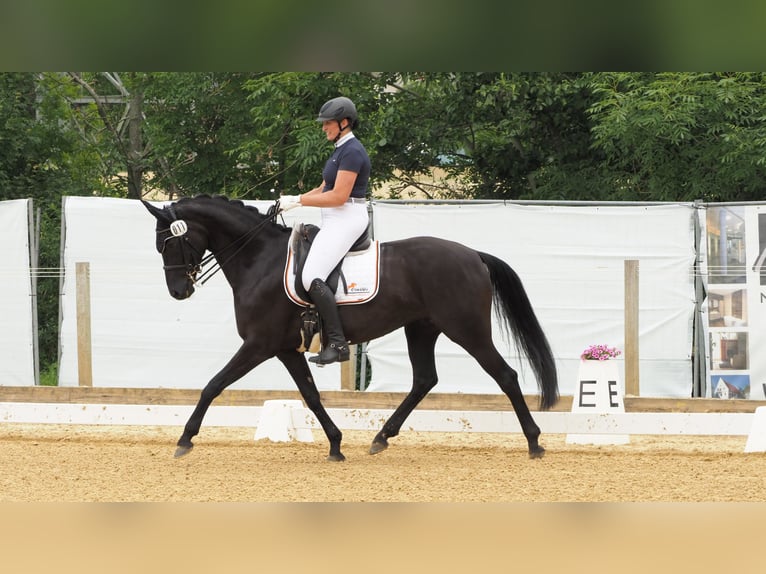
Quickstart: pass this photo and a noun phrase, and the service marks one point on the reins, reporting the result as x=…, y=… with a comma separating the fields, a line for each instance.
x=178, y=229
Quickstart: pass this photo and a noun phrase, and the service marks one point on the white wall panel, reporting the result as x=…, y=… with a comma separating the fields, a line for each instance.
x=17, y=337
x=571, y=260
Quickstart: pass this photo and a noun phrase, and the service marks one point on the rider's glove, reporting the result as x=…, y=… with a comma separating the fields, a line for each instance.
x=287, y=202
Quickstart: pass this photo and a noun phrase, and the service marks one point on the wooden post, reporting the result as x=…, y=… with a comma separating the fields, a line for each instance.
x=84, y=354
x=348, y=371
x=631, y=328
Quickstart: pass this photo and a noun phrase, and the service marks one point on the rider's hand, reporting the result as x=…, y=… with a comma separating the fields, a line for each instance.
x=287, y=202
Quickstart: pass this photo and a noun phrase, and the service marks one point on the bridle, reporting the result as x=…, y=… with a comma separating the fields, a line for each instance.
x=178, y=229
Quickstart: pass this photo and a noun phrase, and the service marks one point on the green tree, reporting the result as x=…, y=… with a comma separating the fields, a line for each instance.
x=195, y=123
x=288, y=149
x=498, y=135
x=681, y=136
x=94, y=111
x=578, y=136
x=43, y=159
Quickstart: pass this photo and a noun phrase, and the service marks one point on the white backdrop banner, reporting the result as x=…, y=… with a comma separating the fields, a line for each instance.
x=17, y=337
x=571, y=260
x=141, y=336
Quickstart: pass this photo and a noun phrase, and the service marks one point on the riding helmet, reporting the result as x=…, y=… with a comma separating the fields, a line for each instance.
x=337, y=109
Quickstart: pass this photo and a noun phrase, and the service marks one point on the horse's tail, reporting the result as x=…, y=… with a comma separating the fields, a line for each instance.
x=515, y=312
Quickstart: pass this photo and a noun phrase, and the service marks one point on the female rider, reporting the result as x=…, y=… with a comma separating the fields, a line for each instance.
x=341, y=196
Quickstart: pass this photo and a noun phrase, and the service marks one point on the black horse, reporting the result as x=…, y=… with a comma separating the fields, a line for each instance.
x=429, y=286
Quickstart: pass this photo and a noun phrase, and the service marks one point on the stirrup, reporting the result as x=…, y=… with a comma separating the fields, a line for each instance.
x=331, y=354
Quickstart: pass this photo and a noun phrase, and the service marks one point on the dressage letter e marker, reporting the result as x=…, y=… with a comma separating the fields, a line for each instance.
x=612, y=393
x=598, y=392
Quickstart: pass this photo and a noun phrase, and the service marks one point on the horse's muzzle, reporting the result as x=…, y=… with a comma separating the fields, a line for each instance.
x=182, y=292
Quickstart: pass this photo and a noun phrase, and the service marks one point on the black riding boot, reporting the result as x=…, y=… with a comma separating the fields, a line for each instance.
x=336, y=347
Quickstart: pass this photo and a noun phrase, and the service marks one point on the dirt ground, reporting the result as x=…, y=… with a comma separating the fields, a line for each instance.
x=58, y=463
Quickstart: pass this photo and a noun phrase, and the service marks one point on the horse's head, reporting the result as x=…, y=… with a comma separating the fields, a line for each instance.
x=182, y=245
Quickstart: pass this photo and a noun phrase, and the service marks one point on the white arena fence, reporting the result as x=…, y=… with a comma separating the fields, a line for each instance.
x=297, y=422
x=703, y=424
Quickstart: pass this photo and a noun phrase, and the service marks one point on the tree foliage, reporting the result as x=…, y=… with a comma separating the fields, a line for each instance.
x=497, y=134
x=41, y=158
x=194, y=123
x=637, y=136
x=682, y=136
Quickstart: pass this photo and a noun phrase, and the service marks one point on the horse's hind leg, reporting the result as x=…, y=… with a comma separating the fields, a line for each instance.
x=508, y=381
x=421, y=340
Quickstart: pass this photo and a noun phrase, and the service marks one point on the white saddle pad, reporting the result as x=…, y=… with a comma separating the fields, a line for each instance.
x=361, y=270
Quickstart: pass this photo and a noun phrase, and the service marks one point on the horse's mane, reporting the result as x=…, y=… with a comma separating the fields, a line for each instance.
x=238, y=203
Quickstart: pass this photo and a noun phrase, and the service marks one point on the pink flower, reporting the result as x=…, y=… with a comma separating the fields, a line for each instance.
x=599, y=353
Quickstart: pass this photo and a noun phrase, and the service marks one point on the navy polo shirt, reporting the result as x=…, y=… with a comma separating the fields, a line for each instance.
x=349, y=156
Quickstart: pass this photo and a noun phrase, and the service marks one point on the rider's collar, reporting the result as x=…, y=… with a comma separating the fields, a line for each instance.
x=344, y=139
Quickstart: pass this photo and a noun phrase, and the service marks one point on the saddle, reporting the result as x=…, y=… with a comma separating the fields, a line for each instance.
x=302, y=238
x=301, y=244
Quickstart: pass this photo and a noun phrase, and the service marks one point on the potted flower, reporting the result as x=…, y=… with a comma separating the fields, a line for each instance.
x=595, y=363
x=599, y=353
x=598, y=391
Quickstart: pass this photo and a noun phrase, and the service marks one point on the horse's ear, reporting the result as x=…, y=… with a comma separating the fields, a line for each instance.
x=157, y=212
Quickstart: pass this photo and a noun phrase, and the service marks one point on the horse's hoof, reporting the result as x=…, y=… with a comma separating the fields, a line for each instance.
x=182, y=450
x=336, y=457
x=536, y=452
x=377, y=447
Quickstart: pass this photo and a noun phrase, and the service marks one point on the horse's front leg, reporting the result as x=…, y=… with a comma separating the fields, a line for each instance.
x=244, y=361
x=298, y=368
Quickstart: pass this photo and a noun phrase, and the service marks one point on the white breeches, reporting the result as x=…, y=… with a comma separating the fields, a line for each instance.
x=341, y=227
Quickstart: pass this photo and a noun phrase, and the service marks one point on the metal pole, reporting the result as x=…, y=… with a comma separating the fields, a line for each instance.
x=363, y=368
x=34, y=263
x=699, y=375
